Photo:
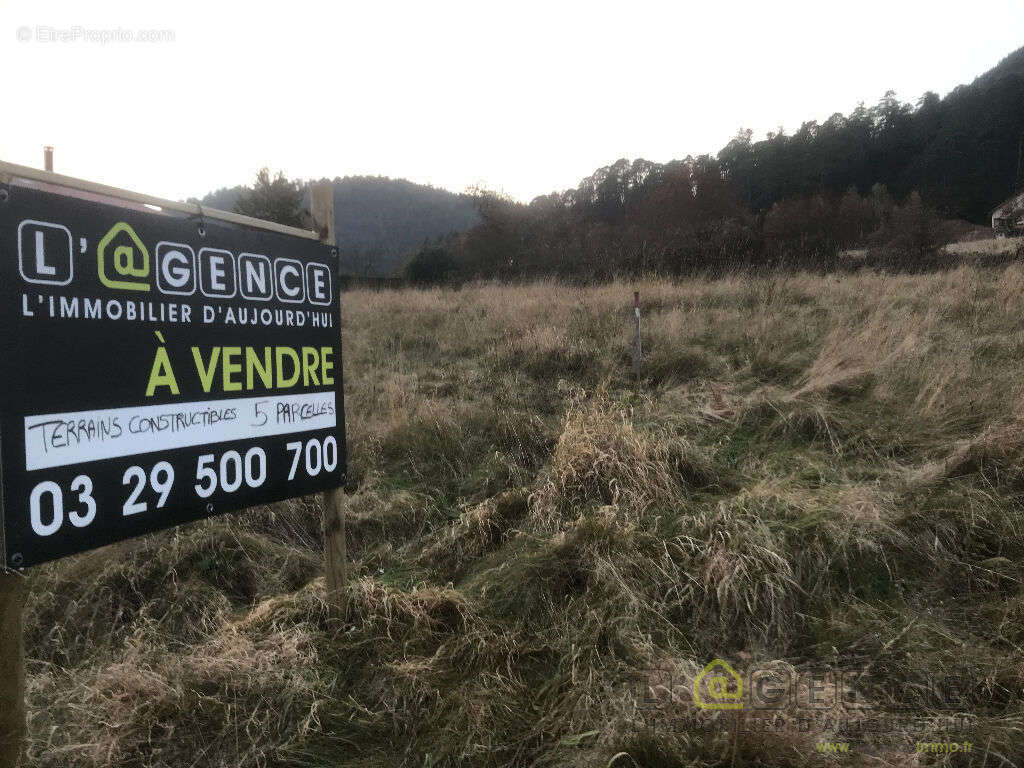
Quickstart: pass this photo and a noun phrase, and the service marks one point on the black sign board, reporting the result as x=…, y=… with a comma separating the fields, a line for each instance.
x=157, y=369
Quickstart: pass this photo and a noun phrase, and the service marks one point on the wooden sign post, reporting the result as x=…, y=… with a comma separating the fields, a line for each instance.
x=13, y=591
x=321, y=204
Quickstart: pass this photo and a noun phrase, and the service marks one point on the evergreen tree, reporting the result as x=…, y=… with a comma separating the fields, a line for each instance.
x=276, y=199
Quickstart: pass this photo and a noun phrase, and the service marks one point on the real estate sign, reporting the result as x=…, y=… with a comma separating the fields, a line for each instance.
x=157, y=369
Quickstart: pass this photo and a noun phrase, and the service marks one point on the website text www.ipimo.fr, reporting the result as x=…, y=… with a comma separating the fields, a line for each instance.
x=942, y=747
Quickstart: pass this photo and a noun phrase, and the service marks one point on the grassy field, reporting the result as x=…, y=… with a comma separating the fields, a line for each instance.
x=814, y=472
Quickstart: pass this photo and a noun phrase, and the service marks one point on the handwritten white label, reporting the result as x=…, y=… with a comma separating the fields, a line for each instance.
x=61, y=439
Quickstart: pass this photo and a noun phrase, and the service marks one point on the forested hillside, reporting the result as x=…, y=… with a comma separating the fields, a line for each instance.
x=895, y=178
x=960, y=152
x=378, y=220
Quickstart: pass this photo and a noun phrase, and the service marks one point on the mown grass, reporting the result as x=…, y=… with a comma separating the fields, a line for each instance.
x=811, y=469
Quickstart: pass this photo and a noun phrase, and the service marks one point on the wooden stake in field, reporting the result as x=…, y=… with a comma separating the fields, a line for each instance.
x=638, y=350
x=321, y=204
x=13, y=591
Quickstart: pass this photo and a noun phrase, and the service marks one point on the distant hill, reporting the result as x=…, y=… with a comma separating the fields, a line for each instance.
x=380, y=221
x=223, y=199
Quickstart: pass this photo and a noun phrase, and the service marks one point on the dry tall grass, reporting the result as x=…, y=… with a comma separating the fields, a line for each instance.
x=812, y=469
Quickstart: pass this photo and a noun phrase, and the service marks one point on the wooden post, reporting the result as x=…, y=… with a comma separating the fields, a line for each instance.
x=13, y=592
x=13, y=730
x=321, y=204
x=638, y=350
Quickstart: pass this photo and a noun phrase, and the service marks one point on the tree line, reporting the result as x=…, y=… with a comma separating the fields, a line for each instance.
x=896, y=179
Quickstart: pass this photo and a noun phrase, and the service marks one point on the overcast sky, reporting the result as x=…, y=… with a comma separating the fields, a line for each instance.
x=521, y=96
